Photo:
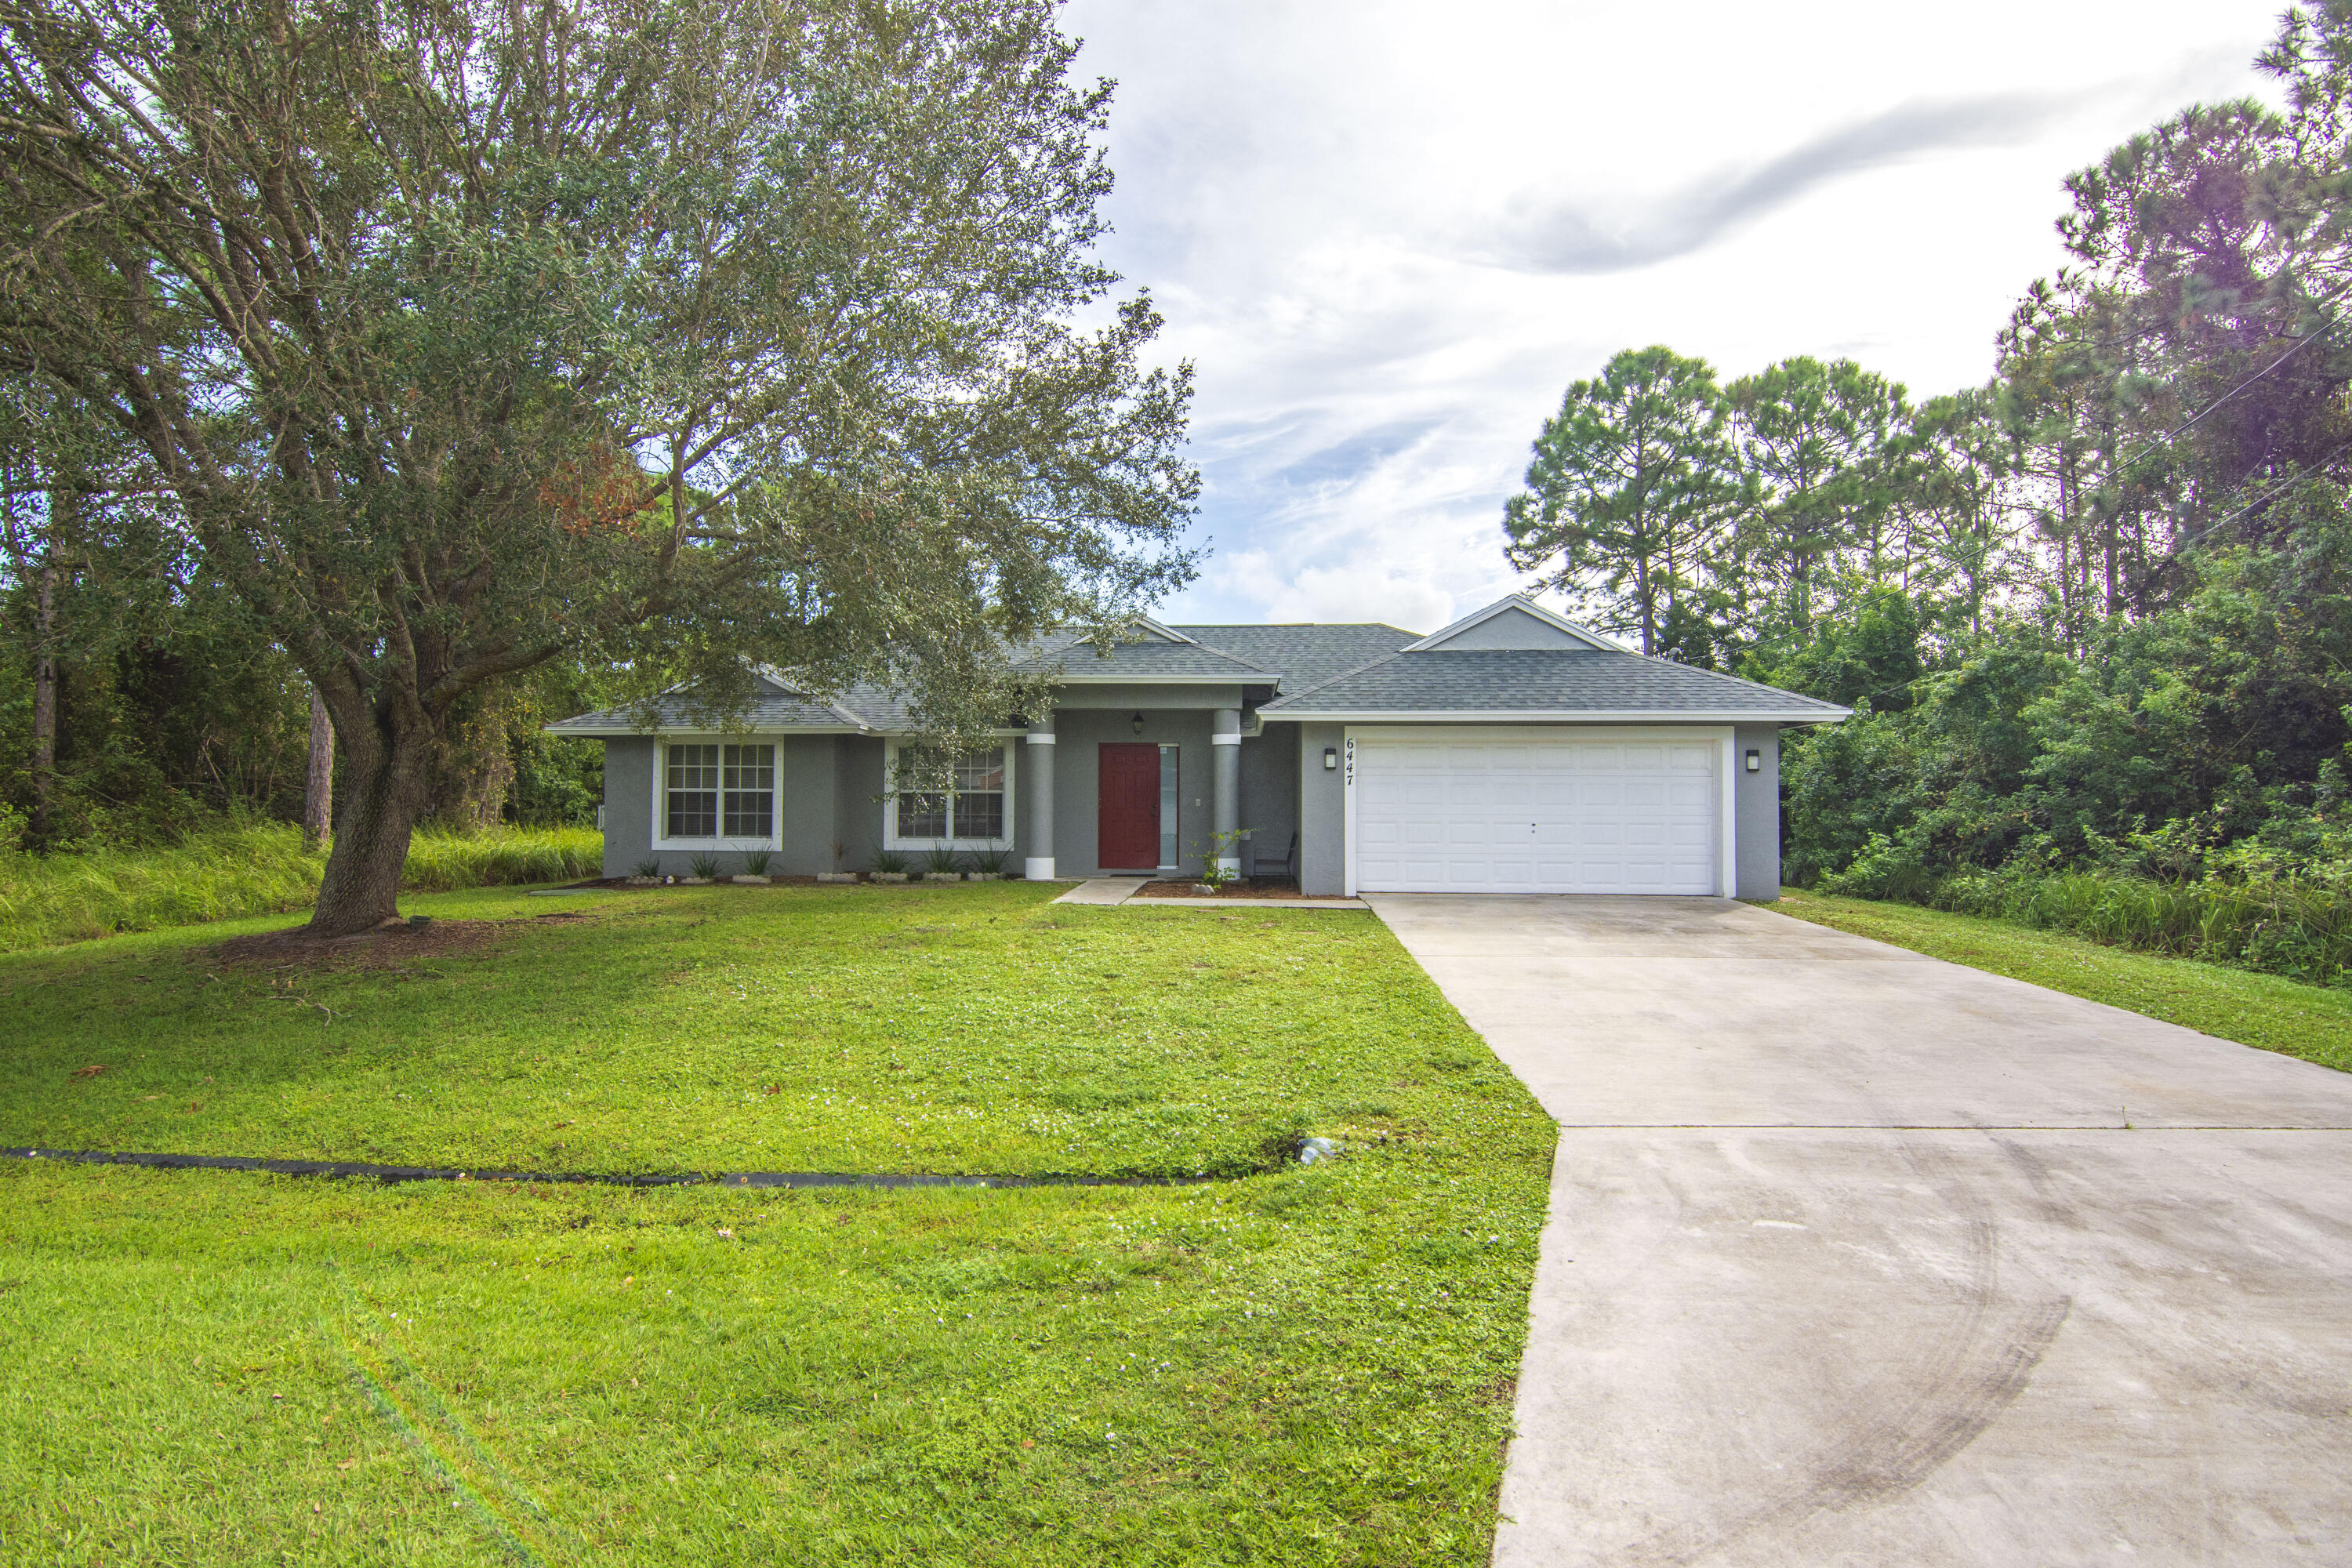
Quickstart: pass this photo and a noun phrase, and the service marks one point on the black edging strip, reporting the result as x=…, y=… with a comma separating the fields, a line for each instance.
x=681, y=1179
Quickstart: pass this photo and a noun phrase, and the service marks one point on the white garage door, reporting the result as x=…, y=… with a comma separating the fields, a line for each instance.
x=1547, y=814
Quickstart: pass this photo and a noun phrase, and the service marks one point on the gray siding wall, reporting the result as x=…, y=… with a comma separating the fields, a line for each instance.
x=628, y=803
x=1322, y=811
x=1270, y=790
x=1755, y=810
x=1077, y=776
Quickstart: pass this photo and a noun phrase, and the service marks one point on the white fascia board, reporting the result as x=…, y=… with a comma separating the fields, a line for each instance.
x=1171, y=633
x=1551, y=716
x=1013, y=731
x=705, y=730
x=1517, y=602
x=1114, y=678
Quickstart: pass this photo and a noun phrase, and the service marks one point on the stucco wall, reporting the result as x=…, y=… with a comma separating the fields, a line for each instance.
x=1756, y=810
x=809, y=823
x=628, y=803
x=1322, y=811
x=1270, y=790
x=1081, y=732
x=858, y=807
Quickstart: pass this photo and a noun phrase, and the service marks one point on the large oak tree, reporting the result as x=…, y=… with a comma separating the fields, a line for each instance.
x=666, y=335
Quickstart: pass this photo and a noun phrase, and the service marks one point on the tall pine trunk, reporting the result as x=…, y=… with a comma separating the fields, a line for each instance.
x=45, y=703
x=318, y=786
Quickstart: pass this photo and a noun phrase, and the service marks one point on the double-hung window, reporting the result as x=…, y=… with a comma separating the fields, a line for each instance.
x=713, y=790
x=971, y=809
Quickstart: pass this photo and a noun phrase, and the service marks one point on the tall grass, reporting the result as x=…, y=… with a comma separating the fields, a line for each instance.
x=48, y=899
x=2299, y=929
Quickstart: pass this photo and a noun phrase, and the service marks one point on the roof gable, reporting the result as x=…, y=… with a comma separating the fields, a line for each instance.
x=1515, y=621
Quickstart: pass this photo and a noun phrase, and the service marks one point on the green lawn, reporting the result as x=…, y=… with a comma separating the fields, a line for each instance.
x=1295, y=1366
x=2313, y=1022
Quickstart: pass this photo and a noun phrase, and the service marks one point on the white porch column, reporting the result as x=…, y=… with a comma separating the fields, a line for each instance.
x=1037, y=783
x=1225, y=749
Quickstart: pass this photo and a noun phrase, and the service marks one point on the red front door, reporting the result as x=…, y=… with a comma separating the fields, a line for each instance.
x=1127, y=833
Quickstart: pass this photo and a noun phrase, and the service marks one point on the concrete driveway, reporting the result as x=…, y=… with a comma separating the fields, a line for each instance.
x=1857, y=1258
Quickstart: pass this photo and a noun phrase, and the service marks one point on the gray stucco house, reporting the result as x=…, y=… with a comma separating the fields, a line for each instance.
x=1513, y=751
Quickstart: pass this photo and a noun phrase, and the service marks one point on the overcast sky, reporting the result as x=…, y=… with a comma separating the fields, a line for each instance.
x=1388, y=234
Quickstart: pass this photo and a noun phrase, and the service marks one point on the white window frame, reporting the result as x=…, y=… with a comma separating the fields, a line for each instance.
x=718, y=844
x=891, y=837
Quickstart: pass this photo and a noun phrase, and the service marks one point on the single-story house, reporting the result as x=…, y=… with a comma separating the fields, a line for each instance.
x=1513, y=751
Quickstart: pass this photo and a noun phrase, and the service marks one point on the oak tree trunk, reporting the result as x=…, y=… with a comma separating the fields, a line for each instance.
x=319, y=787
x=387, y=776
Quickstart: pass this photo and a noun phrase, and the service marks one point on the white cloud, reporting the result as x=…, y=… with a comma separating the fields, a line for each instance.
x=1379, y=227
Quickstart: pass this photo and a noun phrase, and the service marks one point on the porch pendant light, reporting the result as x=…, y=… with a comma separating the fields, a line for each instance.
x=1135, y=723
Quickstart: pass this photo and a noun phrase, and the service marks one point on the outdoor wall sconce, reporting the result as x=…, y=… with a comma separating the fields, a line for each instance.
x=1755, y=761
x=1135, y=723
x=1331, y=758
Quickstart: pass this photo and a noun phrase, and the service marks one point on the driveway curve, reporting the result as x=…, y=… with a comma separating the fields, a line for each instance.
x=1859, y=1258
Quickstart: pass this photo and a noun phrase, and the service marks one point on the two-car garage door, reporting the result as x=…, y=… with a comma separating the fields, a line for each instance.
x=1542, y=814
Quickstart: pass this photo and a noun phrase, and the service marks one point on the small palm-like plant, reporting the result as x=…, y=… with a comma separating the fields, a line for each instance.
x=756, y=863
x=940, y=858
x=649, y=866
x=704, y=865
x=889, y=862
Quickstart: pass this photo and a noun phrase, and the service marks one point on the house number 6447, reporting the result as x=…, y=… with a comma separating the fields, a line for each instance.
x=1351, y=775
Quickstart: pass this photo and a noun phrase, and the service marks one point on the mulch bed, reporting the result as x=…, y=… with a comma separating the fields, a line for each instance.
x=392, y=947
x=1250, y=889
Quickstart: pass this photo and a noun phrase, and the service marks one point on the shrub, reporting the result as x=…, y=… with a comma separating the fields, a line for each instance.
x=703, y=866
x=755, y=864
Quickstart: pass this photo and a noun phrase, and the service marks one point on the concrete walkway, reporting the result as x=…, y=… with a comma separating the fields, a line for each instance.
x=1857, y=1258
x=1111, y=890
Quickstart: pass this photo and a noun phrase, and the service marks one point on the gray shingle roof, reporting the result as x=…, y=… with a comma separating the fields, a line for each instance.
x=1148, y=657
x=772, y=708
x=1320, y=670
x=1538, y=681
x=1305, y=654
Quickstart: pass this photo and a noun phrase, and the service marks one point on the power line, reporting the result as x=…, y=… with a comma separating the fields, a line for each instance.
x=2199, y=418
x=2180, y=545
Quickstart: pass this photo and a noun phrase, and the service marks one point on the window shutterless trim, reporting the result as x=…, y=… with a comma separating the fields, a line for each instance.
x=718, y=842
x=891, y=838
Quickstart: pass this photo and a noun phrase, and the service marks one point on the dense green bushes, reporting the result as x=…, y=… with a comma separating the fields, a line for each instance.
x=250, y=871
x=2293, y=926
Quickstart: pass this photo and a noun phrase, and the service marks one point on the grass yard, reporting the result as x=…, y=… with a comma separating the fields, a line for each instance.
x=1286, y=1365
x=2313, y=1022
